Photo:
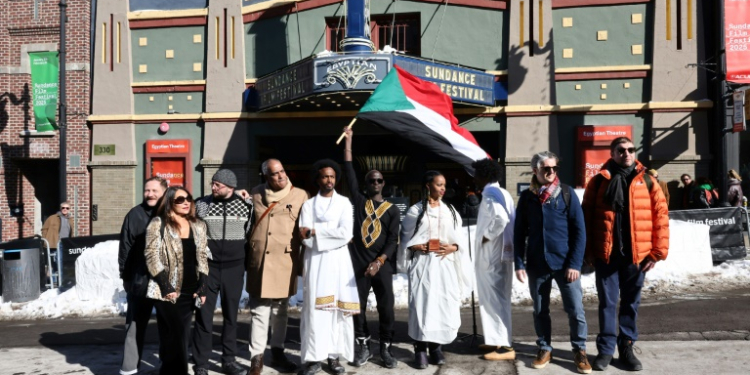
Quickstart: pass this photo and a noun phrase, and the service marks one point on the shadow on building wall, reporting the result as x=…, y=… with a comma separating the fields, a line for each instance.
x=13, y=175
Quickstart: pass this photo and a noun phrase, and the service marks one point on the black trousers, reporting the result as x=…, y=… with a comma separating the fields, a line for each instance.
x=173, y=320
x=227, y=282
x=136, y=322
x=382, y=286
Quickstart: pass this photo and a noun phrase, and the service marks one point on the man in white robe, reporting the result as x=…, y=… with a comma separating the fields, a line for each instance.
x=493, y=261
x=330, y=290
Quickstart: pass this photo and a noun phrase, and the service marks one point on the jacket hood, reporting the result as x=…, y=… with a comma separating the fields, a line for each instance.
x=734, y=181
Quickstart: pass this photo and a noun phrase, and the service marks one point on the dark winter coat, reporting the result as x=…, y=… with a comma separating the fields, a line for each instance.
x=132, y=244
x=556, y=234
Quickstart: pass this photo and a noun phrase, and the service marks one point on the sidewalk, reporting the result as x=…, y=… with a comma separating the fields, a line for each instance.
x=658, y=357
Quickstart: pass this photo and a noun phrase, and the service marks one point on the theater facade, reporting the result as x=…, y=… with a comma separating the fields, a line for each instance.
x=183, y=88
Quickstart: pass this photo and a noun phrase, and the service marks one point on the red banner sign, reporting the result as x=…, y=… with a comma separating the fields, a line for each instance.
x=737, y=40
x=602, y=133
x=172, y=170
x=593, y=148
x=168, y=146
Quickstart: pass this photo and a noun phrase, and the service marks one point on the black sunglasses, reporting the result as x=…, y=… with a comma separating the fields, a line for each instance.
x=550, y=169
x=374, y=180
x=181, y=200
x=630, y=150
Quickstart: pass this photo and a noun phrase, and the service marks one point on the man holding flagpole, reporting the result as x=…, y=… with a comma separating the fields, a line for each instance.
x=373, y=252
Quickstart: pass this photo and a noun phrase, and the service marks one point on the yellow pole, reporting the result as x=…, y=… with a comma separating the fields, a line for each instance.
x=343, y=134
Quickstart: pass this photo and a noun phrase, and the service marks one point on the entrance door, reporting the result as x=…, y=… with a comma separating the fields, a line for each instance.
x=43, y=175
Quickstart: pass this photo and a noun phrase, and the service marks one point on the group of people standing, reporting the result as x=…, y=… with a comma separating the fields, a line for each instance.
x=178, y=255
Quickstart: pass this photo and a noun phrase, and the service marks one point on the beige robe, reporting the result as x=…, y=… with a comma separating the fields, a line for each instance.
x=273, y=259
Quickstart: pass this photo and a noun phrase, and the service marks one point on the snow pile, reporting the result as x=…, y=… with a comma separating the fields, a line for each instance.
x=97, y=272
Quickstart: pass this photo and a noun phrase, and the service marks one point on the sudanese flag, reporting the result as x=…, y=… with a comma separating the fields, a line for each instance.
x=418, y=111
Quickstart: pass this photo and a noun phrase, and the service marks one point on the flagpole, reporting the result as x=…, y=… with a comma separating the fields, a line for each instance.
x=343, y=134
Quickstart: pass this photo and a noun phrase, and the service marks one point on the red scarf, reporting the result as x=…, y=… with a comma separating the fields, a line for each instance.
x=547, y=191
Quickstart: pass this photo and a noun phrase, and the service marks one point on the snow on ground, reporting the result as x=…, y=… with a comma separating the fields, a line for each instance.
x=662, y=281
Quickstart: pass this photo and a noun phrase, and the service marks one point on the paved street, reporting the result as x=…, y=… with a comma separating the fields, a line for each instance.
x=680, y=334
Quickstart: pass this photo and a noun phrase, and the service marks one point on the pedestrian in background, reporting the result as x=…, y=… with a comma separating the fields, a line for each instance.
x=687, y=188
x=663, y=184
x=734, y=193
x=273, y=263
x=549, y=219
x=58, y=226
x=623, y=250
x=703, y=194
x=177, y=259
x=134, y=273
x=227, y=219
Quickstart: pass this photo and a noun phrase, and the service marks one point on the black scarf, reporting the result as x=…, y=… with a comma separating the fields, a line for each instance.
x=615, y=196
x=618, y=184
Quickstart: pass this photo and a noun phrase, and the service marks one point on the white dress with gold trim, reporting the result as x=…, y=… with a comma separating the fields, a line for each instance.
x=329, y=290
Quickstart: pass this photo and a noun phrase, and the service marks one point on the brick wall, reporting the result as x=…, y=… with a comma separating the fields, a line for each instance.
x=21, y=28
x=113, y=190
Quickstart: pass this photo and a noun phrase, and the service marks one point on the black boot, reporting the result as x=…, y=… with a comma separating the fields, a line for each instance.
x=420, y=355
x=601, y=362
x=279, y=359
x=386, y=356
x=311, y=368
x=627, y=357
x=436, y=354
x=362, y=351
x=335, y=366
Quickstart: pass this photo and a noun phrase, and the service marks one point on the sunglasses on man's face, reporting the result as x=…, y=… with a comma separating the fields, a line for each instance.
x=64, y=208
x=375, y=180
x=181, y=200
x=552, y=169
x=622, y=150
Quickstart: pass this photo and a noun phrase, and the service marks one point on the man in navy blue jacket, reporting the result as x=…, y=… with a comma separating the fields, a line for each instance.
x=550, y=217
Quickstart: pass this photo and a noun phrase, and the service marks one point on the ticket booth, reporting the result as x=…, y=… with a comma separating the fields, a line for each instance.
x=592, y=149
x=170, y=160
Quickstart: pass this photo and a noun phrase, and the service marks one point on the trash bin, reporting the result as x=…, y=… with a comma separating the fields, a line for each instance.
x=21, y=272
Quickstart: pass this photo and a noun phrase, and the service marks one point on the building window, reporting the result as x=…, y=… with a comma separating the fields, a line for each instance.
x=402, y=34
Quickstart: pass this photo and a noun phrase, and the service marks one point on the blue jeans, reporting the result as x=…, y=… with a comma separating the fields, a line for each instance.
x=540, y=285
x=623, y=280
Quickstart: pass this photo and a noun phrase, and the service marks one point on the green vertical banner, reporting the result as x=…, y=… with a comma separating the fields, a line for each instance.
x=44, y=84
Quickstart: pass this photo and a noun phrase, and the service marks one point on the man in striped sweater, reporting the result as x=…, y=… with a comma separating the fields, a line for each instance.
x=227, y=219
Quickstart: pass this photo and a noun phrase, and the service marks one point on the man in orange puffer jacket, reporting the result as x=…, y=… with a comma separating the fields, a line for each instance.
x=627, y=224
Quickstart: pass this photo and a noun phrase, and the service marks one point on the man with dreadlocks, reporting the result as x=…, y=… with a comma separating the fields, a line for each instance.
x=330, y=292
x=373, y=253
x=493, y=260
x=430, y=238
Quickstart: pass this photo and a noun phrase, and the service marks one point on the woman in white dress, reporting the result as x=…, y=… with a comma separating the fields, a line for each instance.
x=430, y=238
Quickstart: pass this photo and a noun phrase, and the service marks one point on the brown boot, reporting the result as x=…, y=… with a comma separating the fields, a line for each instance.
x=488, y=348
x=504, y=353
x=542, y=359
x=256, y=365
x=581, y=361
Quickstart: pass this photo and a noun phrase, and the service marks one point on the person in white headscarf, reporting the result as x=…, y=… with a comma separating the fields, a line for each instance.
x=430, y=252
x=493, y=261
x=330, y=290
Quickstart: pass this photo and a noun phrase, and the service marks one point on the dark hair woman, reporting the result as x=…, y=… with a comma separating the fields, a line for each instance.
x=177, y=259
x=431, y=240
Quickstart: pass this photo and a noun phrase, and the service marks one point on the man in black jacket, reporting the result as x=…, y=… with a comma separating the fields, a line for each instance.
x=134, y=274
x=373, y=253
x=227, y=219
